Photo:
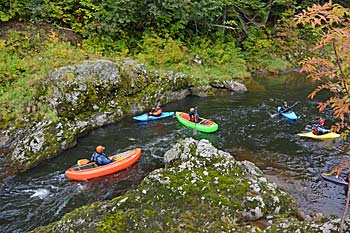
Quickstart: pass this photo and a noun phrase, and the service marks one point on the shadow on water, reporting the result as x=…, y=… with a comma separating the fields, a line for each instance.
x=246, y=130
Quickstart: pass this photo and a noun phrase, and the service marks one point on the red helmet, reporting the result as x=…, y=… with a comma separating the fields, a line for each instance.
x=100, y=149
x=321, y=121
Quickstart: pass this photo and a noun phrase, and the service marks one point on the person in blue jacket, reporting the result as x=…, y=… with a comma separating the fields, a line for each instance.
x=318, y=128
x=99, y=157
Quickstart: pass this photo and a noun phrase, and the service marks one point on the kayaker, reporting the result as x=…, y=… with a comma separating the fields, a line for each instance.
x=193, y=115
x=156, y=111
x=99, y=157
x=285, y=107
x=318, y=128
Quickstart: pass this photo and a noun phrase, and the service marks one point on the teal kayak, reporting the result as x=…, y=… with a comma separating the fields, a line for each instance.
x=203, y=125
x=289, y=115
x=145, y=117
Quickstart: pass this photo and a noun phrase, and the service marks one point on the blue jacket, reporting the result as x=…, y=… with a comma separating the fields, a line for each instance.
x=100, y=159
x=319, y=129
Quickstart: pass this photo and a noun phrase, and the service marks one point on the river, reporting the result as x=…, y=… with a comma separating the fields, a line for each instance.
x=246, y=130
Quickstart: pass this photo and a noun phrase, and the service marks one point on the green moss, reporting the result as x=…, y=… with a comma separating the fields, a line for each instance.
x=208, y=196
x=113, y=223
x=193, y=148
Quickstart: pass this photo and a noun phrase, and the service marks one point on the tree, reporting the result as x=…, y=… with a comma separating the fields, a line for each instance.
x=330, y=66
x=10, y=8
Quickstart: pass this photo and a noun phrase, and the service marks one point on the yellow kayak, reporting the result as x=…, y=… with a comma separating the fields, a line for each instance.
x=323, y=136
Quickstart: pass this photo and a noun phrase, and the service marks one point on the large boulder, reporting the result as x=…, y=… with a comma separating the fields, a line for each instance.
x=78, y=98
x=201, y=189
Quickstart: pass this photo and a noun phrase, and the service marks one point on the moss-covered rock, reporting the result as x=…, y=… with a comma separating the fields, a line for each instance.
x=202, y=189
x=79, y=98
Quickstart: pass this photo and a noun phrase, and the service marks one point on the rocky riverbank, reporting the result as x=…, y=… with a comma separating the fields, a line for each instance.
x=201, y=189
x=82, y=97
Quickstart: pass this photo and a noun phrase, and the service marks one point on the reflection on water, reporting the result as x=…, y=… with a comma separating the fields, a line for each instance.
x=246, y=130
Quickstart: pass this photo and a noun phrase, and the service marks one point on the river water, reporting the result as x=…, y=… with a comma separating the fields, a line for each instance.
x=246, y=130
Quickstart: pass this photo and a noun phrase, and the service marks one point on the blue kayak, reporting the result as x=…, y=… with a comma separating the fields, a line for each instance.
x=145, y=117
x=289, y=115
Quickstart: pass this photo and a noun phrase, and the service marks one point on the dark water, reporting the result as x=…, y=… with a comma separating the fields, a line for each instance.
x=246, y=130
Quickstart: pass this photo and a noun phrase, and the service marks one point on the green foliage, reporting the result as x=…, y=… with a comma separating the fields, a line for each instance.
x=276, y=64
x=227, y=36
x=74, y=14
x=112, y=22
x=256, y=41
x=107, y=46
x=9, y=9
x=158, y=51
x=22, y=71
x=221, y=60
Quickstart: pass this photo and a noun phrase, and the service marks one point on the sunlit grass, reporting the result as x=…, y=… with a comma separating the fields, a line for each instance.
x=22, y=70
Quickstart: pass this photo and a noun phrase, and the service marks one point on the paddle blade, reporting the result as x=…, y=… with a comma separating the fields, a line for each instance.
x=273, y=115
x=83, y=161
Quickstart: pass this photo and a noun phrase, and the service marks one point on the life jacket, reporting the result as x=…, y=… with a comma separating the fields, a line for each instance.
x=194, y=117
x=191, y=116
x=286, y=109
x=157, y=112
x=315, y=128
x=95, y=156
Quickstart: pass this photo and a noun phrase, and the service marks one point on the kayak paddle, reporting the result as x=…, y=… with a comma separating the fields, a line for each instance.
x=83, y=161
x=273, y=115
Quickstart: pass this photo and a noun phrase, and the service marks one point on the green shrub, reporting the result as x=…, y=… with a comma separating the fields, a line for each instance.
x=158, y=51
x=23, y=69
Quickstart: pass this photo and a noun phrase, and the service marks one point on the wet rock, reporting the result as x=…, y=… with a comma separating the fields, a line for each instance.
x=235, y=86
x=202, y=91
x=202, y=189
x=4, y=139
x=230, y=85
x=82, y=97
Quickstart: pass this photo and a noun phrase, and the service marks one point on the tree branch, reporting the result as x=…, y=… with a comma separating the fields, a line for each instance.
x=224, y=26
x=342, y=75
x=346, y=207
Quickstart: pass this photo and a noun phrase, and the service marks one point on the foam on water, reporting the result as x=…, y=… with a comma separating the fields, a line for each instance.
x=40, y=193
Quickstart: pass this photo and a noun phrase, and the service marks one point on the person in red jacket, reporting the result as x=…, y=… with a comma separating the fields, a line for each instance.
x=318, y=129
x=193, y=115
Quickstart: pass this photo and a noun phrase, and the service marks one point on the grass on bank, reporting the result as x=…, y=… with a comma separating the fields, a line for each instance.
x=26, y=58
x=24, y=63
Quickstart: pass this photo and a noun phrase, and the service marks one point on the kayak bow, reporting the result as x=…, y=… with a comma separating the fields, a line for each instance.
x=289, y=115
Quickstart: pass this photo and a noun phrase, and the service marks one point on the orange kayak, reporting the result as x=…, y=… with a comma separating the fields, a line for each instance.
x=92, y=170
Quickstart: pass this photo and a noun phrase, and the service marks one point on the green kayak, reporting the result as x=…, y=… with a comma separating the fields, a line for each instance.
x=203, y=125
